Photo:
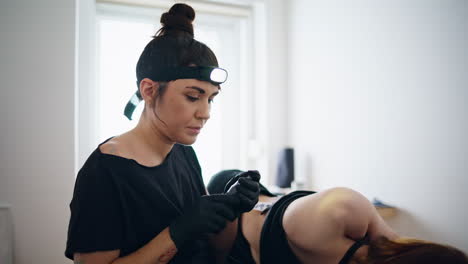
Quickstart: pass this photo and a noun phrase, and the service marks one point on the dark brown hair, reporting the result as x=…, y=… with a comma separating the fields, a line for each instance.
x=174, y=45
x=410, y=251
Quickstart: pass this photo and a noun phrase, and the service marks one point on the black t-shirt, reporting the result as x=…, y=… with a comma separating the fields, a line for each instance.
x=120, y=204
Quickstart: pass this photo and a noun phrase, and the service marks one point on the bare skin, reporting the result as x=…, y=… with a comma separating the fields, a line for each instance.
x=184, y=107
x=159, y=250
x=342, y=216
x=252, y=223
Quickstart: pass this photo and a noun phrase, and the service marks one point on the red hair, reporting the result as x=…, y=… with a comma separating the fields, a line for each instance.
x=410, y=251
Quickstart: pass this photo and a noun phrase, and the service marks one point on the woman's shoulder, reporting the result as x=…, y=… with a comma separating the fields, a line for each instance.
x=123, y=148
x=112, y=146
x=101, y=162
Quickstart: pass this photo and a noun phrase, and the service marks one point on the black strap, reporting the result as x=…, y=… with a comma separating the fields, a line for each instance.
x=349, y=254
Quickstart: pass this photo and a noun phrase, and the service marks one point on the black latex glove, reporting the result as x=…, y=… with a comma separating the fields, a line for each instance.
x=245, y=186
x=208, y=215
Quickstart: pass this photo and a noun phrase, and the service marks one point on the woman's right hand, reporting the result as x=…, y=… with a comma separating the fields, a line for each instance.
x=208, y=215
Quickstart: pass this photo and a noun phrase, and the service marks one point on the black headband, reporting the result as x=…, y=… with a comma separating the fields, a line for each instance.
x=214, y=75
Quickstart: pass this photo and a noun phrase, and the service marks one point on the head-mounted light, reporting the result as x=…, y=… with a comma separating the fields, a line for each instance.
x=214, y=75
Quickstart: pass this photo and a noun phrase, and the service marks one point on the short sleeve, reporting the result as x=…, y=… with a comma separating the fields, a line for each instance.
x=96, y=218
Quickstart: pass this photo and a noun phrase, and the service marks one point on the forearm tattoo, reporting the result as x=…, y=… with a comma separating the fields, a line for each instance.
x=168, y=255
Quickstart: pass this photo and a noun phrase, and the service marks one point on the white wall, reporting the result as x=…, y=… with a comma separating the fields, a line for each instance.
x=277, y=103
x=378, y=103
x=36, y=124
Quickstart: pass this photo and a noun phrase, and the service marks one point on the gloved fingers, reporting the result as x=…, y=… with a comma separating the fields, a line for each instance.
x=251, y=175
x=249, y=184
x=232, y=188
x=225, y=211
x=223, y=199
x=247, y=204
x=231, y=183
x=216, y=224
x=252, y=195
x=254, y=175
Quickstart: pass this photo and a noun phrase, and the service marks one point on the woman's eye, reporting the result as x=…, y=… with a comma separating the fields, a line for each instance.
x=191, y=98
x=211, y=100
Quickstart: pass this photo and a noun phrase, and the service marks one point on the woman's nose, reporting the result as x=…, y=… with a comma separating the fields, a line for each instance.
x=204, y=111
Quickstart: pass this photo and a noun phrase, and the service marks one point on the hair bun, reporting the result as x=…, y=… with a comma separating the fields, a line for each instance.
x=177, y=20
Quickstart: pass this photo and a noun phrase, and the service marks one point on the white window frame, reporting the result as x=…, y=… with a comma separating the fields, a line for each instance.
x=253, y=132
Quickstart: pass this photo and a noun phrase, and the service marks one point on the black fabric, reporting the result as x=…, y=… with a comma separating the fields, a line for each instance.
x=120, y=204
x=240, y=251
x=208, y=215
x=274, y=247
x=350, y=253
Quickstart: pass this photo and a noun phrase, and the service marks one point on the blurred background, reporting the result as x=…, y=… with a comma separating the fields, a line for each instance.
x=371, y=95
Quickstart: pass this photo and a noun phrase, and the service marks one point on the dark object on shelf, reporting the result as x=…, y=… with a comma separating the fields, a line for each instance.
x=285, y=174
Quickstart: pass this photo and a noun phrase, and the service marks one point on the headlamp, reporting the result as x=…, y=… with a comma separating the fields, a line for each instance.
x=214, y=75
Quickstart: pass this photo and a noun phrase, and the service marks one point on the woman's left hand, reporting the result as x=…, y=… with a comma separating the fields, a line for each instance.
x=245, y=186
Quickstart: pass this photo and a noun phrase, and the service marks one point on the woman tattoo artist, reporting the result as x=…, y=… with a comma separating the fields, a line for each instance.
x=140, y=196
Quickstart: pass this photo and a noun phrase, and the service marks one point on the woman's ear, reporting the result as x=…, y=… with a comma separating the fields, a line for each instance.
x=148, y=89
